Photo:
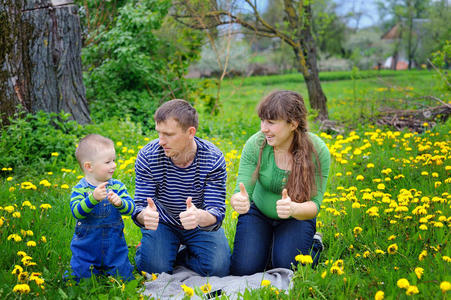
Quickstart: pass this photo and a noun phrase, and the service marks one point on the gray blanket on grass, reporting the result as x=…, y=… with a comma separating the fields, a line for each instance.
x=167, y=286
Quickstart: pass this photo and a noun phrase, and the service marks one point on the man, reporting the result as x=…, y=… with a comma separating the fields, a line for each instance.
x=180, y=197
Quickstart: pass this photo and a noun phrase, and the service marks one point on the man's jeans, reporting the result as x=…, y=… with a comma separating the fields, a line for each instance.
x=261, y=242
x=207, y=252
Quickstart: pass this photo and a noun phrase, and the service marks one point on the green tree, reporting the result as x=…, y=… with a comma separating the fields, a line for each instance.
x=133, y=64
x=409, y=15
x=296, y=31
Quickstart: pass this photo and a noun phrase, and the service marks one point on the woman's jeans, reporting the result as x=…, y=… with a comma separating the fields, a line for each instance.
x=262, y=242
x=207, y=252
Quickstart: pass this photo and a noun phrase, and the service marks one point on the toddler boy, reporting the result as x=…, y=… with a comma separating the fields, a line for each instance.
x=97, y=202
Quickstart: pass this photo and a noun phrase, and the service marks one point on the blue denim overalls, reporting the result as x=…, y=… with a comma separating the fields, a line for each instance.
x=98, y=245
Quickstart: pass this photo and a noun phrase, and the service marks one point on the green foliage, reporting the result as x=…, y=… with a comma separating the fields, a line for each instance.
x=130, y=69
x=442, y=60
x=366, y=271
x=30, y=139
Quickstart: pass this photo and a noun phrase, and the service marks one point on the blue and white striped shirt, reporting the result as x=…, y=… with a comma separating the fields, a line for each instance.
x=169, y=186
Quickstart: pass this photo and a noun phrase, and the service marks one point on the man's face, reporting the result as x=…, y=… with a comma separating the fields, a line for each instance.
x=174, y=140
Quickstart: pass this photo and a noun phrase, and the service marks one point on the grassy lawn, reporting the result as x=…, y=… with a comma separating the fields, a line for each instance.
x=385, y=216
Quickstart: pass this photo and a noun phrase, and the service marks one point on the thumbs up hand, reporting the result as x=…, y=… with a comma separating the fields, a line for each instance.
x=150, y=215
x=284, y=206
x=240, y=201
x=190, y=217
x=100, y=191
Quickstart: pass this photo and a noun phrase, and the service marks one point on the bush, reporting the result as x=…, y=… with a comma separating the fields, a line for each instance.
x=27, y=144
x=130, y=69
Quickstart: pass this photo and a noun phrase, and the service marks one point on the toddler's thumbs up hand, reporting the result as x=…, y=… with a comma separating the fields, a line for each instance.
x=190, y=217
x=150, y=215
x=100, y=191
x=240, y=201
x=283, y=206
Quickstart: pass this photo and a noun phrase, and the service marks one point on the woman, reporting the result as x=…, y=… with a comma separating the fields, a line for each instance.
x=281, y=181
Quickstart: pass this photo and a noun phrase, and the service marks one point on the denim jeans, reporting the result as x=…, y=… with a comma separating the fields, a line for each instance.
x=207, y=252
x=262, y=242
x=98, y=245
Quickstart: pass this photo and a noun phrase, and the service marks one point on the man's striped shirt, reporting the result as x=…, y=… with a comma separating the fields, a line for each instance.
x=169, y=186
x=82, y=201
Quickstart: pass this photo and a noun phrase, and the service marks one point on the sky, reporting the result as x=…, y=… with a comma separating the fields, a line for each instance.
x=367, y=8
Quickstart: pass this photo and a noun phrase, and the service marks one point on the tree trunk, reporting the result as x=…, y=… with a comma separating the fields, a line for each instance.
x=307, y=65
x=40, y=63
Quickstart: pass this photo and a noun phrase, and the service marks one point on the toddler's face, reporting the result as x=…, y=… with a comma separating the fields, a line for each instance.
x=104, y=165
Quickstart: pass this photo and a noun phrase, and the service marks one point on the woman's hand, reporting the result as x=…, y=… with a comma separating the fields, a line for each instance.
x=240, y=201
x=284, y=206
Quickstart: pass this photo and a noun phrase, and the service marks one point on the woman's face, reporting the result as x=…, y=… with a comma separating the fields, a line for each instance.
x=278, y=133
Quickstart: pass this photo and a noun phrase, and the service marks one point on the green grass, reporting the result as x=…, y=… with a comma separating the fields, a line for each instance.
x=399, y=162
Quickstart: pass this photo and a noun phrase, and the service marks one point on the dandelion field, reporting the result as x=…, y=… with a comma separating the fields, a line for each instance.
x=385, y=218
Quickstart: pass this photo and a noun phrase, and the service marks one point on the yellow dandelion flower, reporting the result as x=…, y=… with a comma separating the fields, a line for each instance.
x=336, y=270
x=379, y=251
x=379, y=295
x=419, y=272
x=366, y=254
x=64, y=186
x=26, y=203
x=412, y=290
x=357, y=230
x=370, y=165
x=206, y=288
x=45, y=206
x=265, y=282
x=16, y=214
x=359, y=177
x=188, y=291
x=403, y=283
x=21, y=288
x=9, y=208
x=43, y=239
x=391, y=237
x=446, y=258
x=392, y=249
x=423, y=227
x=381, y=186
x=323, y=275
x=11, y=189
x=234, y=215
x=9, y=178
x=15, y=237
x=55, y=154
x=445, y=286
x=304, y=259
x=422, y=255
x=31, y=244
x=17, y=270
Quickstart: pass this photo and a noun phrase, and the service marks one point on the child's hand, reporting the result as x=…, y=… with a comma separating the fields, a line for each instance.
x=100, y=192
x=114, y=199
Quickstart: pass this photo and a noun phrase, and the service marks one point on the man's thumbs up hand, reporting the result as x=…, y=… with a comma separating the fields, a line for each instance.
x=190, y=217
x=240, y=201
x=150, y=215
x=283, y=206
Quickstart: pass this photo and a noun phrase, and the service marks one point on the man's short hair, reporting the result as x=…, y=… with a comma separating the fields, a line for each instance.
x=89, y=146
x=180, y=110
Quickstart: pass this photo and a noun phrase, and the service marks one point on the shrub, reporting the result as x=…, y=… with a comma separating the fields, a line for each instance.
x=29, y=141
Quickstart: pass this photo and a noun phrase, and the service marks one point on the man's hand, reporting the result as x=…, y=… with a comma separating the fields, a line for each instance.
x=100, y=192
x=150, y=215
x=190, y=217
x=114, y=199
x=240, y=201
x=284, y=206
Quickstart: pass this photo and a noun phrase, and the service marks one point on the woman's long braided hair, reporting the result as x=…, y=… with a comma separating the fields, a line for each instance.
x=289, y=106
